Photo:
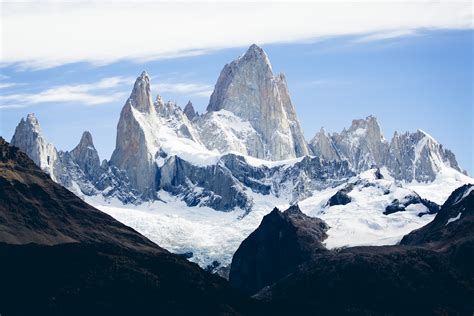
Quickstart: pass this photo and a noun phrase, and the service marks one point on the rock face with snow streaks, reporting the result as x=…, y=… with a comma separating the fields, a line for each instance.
x=136, y=144
x=189, y=111
x=323, y=146
x=86, y=156
x=418, y=156
x=247, y=88
x=79, y=170
x=28, y=137
x=225, y=156
x=362, y=144
x=408, y=157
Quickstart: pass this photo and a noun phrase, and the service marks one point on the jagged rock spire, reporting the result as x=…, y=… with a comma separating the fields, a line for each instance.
x=136, y=144
x=28, y=137
x=247, y=88
x=408, y=156
x=189, y=111
x=86, y=156
x=323, y=146
x=140, y=98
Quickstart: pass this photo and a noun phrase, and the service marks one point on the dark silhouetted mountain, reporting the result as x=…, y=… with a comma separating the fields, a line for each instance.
x=454, y=222
x=283, y=241
x=430, y=273
x=60, y=256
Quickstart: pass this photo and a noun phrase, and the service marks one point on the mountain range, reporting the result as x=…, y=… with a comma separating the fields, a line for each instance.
x=246, y=151
x=372, y=225
x=62, y=256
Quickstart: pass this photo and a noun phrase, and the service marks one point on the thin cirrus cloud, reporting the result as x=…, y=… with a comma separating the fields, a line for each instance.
x=106, y=90
x=88, y=94
x=4, y=85
x=105, y=32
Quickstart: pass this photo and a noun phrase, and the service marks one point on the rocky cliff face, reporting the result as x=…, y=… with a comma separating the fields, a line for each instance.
x=79, y=170
x=231, y=181
x=300, y=145
x=362, y=144
x=136, y=144
x=28, y=137
x=189, y=111
x=454, y=221
x=86, y=156
x=409, y=156
x=418, y=156
x=323, y=146
x=247, y=88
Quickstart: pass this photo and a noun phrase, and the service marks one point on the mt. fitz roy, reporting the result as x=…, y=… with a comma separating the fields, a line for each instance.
x=248, y=142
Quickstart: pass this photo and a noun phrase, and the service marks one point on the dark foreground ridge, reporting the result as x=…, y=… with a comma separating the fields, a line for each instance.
x=283, y=241
x=60, y=256
x=431, y=272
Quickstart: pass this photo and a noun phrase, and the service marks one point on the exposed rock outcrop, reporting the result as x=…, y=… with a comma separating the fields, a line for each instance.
x=230, y=182
x=86, y=156
x=408, y=157
x=399, y=205
x=341, y=197
x=29, y=138
x=323, y=146
x=247, y=88
x=362, y=144
x=454, y=221
x=136, y=144
x=282, y=242
x=418, y=156
x=189, y=111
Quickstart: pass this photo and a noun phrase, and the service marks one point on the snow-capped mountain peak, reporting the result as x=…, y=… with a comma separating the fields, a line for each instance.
x=86, y=156
x=323, y=146
x=247, y=88
x=256, y=54
x=29, y=138
x=141, y=94
x=189, y=111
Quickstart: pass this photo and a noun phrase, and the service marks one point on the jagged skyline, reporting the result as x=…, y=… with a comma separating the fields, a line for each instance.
x=402, y=114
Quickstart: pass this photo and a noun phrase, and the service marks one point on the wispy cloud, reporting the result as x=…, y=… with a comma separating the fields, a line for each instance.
x=102, y=33
x=384, y=35
x=106, y=90
x=99, y=92
x=4, y=85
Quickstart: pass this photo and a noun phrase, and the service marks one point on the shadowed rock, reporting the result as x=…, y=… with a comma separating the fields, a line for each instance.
x=283, y=241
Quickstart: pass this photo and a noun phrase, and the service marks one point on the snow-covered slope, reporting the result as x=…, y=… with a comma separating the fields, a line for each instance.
x=212, y=235
x=362, y=221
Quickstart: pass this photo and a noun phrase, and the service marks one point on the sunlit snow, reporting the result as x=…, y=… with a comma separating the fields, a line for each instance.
x=212, y=235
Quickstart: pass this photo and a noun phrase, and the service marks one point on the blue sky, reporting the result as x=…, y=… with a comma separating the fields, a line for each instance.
x=407, y=79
